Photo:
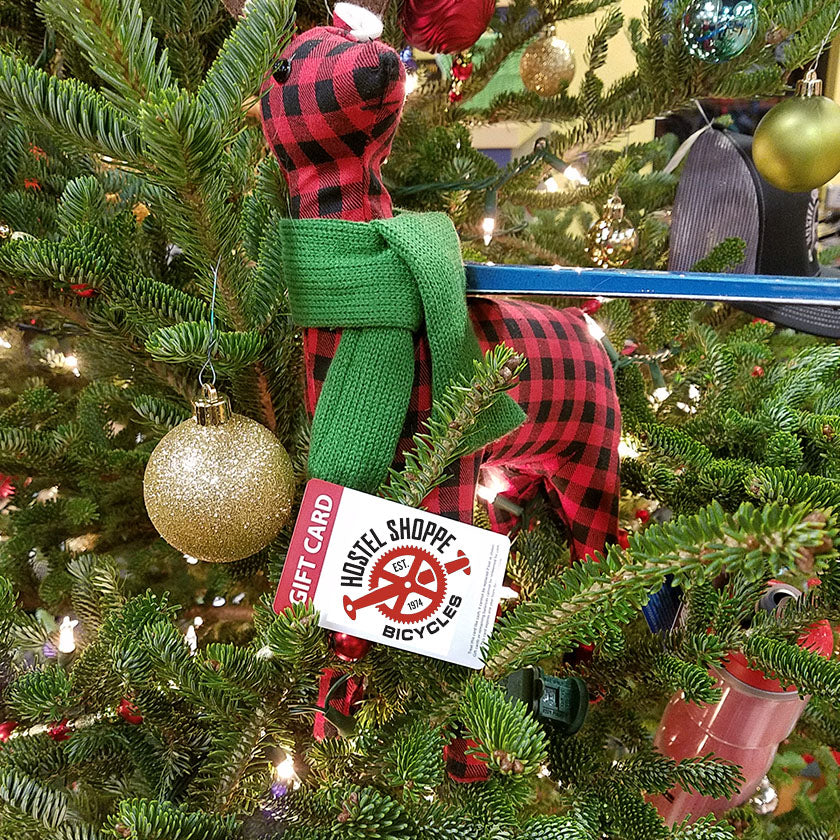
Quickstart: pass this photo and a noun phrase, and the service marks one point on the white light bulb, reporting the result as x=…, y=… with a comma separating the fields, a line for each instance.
x=66, y=636
x=192, y=561
x=627, y=449
x=5, y=344
x=575, y=175
x=71, y=362
x=191, y=638
x=489, y=228
x=492, y=483
x=551, y=184
x=694, y=393
x=411, y=83
x=594, y=327
x=661, y=394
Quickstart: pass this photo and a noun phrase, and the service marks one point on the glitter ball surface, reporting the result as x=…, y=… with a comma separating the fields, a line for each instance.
x=547, y=64
x=219, y=493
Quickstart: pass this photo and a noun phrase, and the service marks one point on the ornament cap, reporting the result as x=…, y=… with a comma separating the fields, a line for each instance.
x=213, y=408
x=614, y=208
x=810, y=86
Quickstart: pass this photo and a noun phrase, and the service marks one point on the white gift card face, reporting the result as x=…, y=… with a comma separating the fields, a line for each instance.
x=394, y=574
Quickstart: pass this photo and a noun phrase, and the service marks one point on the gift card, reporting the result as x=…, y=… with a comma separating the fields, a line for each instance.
x=394, y=574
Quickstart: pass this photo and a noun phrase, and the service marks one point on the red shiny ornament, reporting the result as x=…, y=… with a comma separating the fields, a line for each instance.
x=59, y=731
x=445, y=26
x=129, y=713
x=643, y=514
x=454, y=96
x=349, y=648
x=6, y=729
x=623, y=538
x=7, y=487
x=591, y=306
x=462, y=72
x=82, y=290
x=757, y=371
x=760, y=321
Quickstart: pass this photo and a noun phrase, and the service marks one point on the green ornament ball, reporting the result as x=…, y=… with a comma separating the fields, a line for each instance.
x=797, y=145
x=719, y=30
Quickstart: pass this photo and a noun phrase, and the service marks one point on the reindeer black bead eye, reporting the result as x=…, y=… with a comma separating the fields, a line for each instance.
x=282, y=70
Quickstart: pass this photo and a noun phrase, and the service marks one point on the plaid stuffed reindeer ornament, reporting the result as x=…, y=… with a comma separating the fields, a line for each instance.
x=382, y=303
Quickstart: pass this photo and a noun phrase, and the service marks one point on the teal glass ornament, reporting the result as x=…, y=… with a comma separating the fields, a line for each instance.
x=719, y=30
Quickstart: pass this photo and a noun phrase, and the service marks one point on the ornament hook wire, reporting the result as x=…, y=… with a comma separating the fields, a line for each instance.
x=212, y=341
x=825, y=40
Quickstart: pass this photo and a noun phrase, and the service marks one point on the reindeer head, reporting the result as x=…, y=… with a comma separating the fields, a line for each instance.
x=330, y=110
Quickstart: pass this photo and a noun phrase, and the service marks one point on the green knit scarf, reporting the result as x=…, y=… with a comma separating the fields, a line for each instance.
x=379, y=282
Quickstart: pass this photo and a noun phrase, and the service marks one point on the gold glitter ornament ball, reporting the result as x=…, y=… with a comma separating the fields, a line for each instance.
x=219, y=486
x=548, y=63
x=612, y=240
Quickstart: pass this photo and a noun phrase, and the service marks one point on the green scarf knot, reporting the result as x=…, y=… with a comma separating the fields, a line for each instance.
x=379, y=282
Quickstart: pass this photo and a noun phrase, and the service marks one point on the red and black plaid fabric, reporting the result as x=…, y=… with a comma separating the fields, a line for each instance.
x=331, y=122
x=351, y=694
x=569, y=443
x=465, y=763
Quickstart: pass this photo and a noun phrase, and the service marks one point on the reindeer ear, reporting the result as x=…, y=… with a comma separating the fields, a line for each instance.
x=363, y=18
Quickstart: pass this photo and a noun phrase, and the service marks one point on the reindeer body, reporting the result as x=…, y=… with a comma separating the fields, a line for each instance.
x=330, y=113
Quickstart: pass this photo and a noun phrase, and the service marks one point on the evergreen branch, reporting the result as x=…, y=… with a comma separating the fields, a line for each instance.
x=241, y=63
x=574, y=608
x=809, y=672
x=511, y=736
x=45, y=804
x=449, y=427
x=145, y=819
x=69, y=110
x=186, y=343
x=117, y=42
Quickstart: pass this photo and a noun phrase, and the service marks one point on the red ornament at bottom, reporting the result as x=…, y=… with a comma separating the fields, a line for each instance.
x=623, y=538
x=757, y=371
x=129, y=712
x=6, y=729
x=349, y=648
x=59, y=731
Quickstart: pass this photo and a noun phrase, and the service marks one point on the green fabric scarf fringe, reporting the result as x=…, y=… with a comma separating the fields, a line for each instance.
x=379, y=282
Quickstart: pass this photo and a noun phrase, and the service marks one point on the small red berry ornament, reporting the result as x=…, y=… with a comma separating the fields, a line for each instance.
x=82, y=290
x=31, y=184
x=591, y=306
x=454, y=96
x=129, y=712
x=757, y=371
x=643, y=515
x=6, y=729
x=623, y=538
x=59, y=731
x=462, y=70
x=349, y=648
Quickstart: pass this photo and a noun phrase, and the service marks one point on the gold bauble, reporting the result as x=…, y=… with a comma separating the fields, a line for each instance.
x=548, y=64
x=797, y=145
x=612, y=240
x=219, y=486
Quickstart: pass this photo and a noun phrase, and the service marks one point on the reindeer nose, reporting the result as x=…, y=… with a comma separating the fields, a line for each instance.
x=373, y=80
x=389, y=65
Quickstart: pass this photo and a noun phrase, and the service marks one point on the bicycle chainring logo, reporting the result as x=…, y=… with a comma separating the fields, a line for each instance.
x=409, y=585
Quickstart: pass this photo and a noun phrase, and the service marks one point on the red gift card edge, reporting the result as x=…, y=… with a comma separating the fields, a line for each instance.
x=308, y=548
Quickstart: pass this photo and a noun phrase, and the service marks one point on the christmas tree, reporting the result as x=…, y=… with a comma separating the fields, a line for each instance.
x=147, y=694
